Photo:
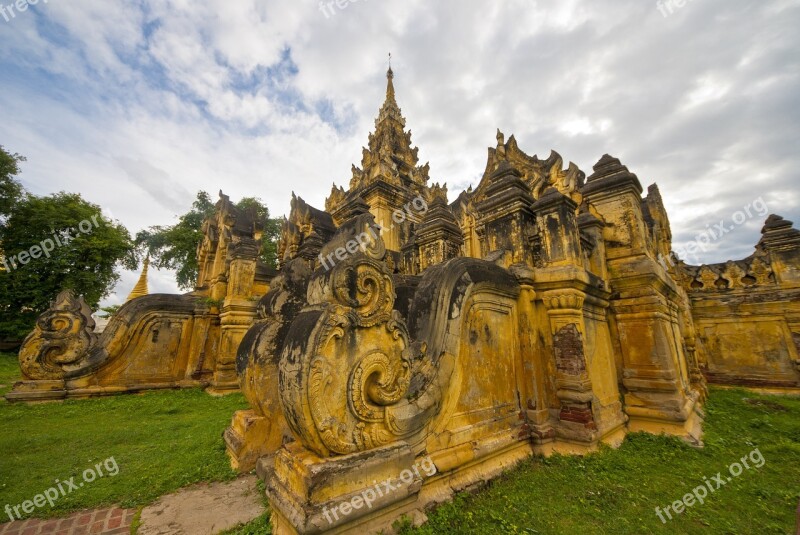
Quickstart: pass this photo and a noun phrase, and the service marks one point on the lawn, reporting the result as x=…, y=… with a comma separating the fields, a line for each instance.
x=162, y=441
x=617, y=491
x=9, y=372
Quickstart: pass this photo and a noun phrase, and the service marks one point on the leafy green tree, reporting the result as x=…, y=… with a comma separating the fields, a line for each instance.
x=175, y=247
x=55, y=243
x=271, y=228
x=10, y=189
x=109, y=310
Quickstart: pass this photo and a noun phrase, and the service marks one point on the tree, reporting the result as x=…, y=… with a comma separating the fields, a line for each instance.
x=109, y=310
x=175, y=247
x=55, y=243
x=10, y=189
x=271, y=228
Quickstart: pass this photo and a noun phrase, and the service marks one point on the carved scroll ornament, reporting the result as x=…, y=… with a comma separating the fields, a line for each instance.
x=60, y=342
x=348, y=360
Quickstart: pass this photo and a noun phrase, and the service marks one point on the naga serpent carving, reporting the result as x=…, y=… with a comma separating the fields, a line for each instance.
x=348, y=360
x=60, y=342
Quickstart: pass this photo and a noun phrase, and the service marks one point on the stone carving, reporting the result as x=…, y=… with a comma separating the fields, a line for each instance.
x=708, y=278
x=337, y=398
x=61, y=340
x=761, y=272
x=156, y=340
x=734, y=275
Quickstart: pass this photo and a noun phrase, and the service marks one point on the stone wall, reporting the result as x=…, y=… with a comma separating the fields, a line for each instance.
x=154, y=341
x=747, y=313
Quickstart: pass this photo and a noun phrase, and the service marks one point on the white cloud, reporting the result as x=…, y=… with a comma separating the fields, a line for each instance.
x=137, y=105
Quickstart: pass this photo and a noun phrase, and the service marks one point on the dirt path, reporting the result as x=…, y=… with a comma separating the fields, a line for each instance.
x=203, y=509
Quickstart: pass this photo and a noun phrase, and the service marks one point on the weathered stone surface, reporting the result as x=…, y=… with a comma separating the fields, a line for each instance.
x=154, y=341
x=747, y=313
x=532, y=315
x=59, y=344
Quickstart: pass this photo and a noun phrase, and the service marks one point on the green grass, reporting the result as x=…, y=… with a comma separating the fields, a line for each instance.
x=161, y=441
x=9, y=372
x=166, y=440
x=259, y=526
x=617, y=491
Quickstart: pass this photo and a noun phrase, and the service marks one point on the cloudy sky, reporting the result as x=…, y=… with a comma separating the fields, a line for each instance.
x=139, y=104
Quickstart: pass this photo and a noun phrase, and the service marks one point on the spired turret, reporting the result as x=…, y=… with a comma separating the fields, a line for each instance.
x=389, y=177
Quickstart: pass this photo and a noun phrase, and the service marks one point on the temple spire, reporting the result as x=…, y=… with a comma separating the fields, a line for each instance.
x=141, y=287
x=389, y=82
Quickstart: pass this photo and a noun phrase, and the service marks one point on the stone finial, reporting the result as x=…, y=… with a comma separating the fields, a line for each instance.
x=390, y=85
x=501, y=144
x=779, y=233
x=438, y=193
x=336, y=197
x=610, y=175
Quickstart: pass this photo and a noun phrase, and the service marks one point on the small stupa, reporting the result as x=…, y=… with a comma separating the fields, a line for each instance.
x=141, y=287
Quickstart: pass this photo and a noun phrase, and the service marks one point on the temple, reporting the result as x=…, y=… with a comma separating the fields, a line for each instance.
x=533, y=314
x=410, y=347
x=154, y=341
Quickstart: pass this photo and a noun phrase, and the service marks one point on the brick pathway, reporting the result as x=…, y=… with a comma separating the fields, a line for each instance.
x=100, y=521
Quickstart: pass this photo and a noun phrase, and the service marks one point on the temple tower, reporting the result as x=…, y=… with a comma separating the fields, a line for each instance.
x=389, y=178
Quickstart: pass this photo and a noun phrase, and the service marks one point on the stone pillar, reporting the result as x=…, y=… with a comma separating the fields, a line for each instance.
x=536, y=402
x=565, y=312
x=659, y=397
x=237, y=314
x=589, y=405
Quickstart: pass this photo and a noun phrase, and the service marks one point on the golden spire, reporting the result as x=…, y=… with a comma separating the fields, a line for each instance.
x=390, y=84
x=141, y=287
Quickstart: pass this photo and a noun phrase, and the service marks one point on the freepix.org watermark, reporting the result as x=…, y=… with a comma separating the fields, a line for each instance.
x=20, y=6
x=379, y=490
x=62, y=488
x=362, y=241
x=668, y=7
x=713, y=233
x=48, y=245
x=327, y=6
x=700, y=492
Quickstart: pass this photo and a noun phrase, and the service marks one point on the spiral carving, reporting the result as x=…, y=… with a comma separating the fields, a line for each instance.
x=376, y=382
x=61, y=340
x=366, y=287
